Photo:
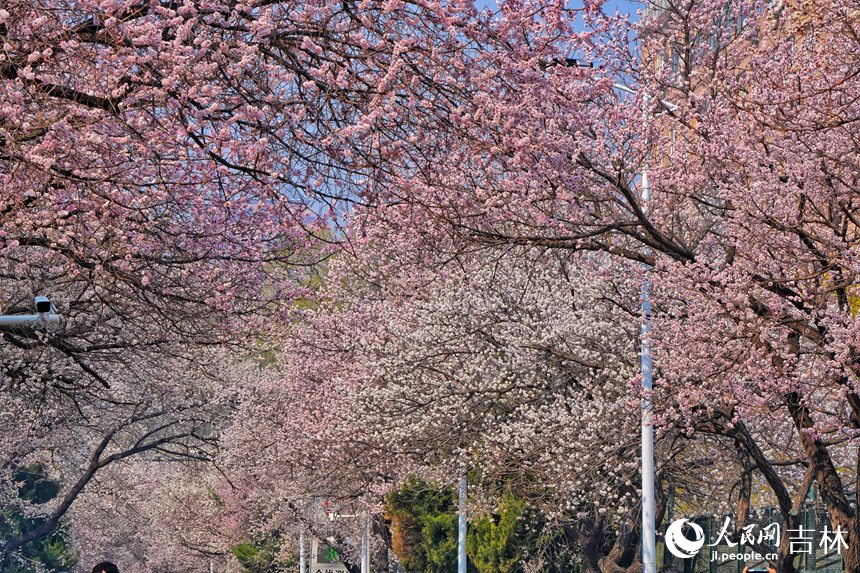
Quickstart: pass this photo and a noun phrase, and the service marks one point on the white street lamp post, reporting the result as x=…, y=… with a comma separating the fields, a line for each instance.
x=461, y=525
x=649, y=534
x=302, y=551
x=365, y=546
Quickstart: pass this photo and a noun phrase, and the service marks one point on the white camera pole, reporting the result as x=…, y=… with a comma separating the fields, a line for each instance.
x=45, y=313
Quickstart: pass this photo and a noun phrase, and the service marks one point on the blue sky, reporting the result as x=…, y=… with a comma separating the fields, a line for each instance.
x=624, y=6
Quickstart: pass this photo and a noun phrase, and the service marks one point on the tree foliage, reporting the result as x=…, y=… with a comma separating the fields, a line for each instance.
x=168, y=166
x=264, y=555
x=497, y=540
x=423, y=521
x=52, y=552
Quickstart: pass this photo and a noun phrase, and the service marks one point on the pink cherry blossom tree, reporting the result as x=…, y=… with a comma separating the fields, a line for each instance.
x=166, y=166
x=514, y=365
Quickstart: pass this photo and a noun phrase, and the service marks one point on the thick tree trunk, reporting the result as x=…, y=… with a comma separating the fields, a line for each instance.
x=745, y=442
x=851, y=555
x=622, y=556
x=785, y=562
x=591, y=548
x=829, y=482
x=380, y=556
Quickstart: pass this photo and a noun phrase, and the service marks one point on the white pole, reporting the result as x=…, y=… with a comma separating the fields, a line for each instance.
x=45, y=309
x=211, y=568
x=19, y=319
x=461, y=526
x=302, y=550
x=649, y=542
x=365, y=546
x=649, y=539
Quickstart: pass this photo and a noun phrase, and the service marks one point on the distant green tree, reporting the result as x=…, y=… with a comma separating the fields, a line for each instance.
x=52, y=552
x=496, y=542
x=262, y=555
x=423, y=522
x=439, y=542
x=422, y=517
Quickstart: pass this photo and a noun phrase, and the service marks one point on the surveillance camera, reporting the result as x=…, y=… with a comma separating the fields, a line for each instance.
x=43, y=305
